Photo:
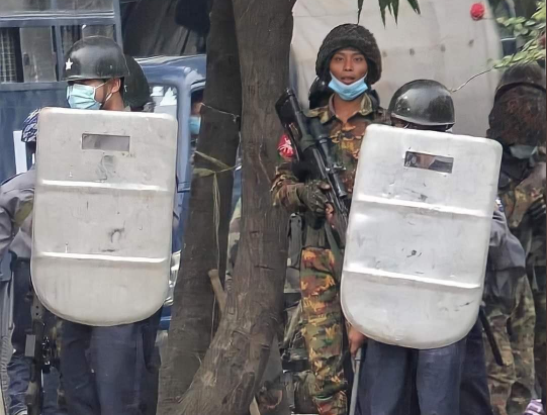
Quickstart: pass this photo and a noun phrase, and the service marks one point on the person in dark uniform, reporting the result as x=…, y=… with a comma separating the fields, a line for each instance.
x=450, y=380
x=102, y=367
x=16, y=200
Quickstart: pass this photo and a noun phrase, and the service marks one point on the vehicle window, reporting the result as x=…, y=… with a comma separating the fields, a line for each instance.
x=37, y=54
x=11, y=6
x=85, y=4
x=165, y=99
x=195, y=116
x=71, y=34
x=10, y=56
x=97, y=30
x=28, y=54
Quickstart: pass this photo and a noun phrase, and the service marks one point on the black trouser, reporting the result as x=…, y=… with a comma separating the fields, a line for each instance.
x=104, y=367
x=390, y=372
x=19, y=365
x=474, y=395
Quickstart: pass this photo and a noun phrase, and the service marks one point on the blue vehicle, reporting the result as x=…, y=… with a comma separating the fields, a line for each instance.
x=176, y=83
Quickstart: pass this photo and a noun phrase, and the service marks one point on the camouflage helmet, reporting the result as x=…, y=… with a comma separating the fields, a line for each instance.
x=350, y=36
x=30, y=127
x=529, y=74
x=518, y=116
x=137, y=89
x=95, y=57
x=423, y=102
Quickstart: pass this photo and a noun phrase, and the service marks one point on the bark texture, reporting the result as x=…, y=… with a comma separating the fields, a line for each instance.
x=234, y=364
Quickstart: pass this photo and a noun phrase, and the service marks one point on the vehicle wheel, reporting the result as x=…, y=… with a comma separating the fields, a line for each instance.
x=5, y=342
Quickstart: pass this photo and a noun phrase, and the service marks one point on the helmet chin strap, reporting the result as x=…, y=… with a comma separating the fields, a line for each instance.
x=107, y=97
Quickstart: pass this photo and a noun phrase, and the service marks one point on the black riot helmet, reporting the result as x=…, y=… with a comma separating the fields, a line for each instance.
x=424, y=103
x=95, y=57
x=137, y=90
x=319, y=93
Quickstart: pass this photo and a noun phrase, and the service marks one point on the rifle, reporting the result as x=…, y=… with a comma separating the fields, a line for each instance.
x=311, y=144
x=40, y=349
x=357, y=375
x=490, y=336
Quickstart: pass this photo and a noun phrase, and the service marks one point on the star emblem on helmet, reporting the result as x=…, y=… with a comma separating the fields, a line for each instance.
x=69, y=64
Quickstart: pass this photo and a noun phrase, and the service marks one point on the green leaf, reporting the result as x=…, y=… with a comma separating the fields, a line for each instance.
x=383, y=5
x=415, y=6
x=392, y=6
x=396, y=9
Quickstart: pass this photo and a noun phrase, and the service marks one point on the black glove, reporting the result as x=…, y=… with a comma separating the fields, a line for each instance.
x=312, y=195
x=538, y=212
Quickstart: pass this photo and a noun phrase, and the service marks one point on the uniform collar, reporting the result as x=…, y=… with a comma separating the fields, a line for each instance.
x=327, y=113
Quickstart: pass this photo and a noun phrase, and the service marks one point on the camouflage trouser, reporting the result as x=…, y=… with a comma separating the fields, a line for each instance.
x=511, y=385
x=540, y=342
x=323, y=330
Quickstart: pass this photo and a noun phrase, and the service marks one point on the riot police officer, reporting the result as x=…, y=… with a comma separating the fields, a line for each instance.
x=101, y=366
x=399, y=380
x=16, y=201
x=387, y=376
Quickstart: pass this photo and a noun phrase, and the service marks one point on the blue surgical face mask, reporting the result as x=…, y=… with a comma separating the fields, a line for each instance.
x=522, y=152
x=195, y=124
x=82, y=97
x=348, y=92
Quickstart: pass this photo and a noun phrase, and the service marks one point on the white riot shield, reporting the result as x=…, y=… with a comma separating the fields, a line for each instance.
x=418, y=235
x=103, y=214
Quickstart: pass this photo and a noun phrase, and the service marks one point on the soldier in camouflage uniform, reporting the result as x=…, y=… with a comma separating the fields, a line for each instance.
x=517, y=121
x=350, y=61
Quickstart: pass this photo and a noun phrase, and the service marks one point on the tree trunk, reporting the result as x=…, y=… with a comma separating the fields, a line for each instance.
x=193, y=310
x=232, y=369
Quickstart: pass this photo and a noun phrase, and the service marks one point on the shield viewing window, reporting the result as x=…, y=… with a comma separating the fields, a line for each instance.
x=431, y=162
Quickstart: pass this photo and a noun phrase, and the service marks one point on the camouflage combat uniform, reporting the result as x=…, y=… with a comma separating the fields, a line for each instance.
x=517, y=199
x=511, y=385
x=518, y=122
x=322, y=315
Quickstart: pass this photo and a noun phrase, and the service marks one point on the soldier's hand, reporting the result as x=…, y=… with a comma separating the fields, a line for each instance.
x=538, y=212
x=356, y=340
x=312, y=195
x=329, y=213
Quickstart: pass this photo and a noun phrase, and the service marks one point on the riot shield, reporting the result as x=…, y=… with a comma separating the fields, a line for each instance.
x=103, y=213
x=418, y=235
